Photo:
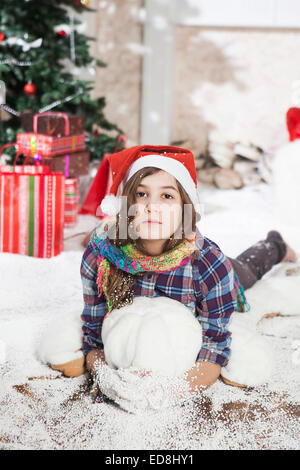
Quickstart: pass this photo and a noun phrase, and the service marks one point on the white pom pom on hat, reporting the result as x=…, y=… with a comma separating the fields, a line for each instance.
x=111, y=204
x=177, y=161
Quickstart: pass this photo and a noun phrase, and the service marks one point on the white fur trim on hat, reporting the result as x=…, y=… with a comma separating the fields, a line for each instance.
x=111, y=204
x=172, y=166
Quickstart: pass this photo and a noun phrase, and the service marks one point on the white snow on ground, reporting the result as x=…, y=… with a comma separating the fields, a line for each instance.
x=57, y=412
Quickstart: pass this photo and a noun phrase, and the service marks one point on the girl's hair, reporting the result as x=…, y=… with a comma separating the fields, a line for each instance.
x=120, y=288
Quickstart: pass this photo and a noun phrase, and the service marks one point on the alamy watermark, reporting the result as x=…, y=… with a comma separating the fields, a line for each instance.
x=2, y=92
x=172, y=217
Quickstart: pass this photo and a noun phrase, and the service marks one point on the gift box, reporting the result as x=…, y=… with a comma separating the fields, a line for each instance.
x=72, y=197
x=28, y=169
x=53, y=124
x=32, y=212
x=75, y=164
x=49, y=146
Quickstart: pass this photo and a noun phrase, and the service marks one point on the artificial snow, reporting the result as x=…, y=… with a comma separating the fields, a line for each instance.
x=41, y=409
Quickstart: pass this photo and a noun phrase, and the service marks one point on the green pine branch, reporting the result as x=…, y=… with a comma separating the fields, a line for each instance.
x=30, y=20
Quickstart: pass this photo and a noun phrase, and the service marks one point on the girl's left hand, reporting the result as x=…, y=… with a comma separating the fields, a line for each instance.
x=134, y=370
x=146, y=390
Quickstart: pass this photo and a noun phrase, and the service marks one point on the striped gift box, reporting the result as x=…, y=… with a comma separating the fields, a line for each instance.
x=72, y=197
x=49, y=146
x=28, y=169
x=32, y=213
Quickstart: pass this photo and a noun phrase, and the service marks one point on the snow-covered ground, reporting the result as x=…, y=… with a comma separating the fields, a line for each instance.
x=40, y=409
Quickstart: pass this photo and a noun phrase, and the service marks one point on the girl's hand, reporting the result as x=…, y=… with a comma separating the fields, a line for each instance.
x=72, y=368
x=134, y=370
x=108, y=381
x=134, y=396
x=111, y=383
x=152, y=391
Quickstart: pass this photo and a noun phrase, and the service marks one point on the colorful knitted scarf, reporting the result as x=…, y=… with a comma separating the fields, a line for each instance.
x=129, y=259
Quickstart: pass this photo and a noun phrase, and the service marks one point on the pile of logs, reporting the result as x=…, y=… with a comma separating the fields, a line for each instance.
x=229, y=165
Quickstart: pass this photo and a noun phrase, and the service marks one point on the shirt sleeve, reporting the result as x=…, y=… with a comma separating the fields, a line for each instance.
x=94, y=307
x=216, y=301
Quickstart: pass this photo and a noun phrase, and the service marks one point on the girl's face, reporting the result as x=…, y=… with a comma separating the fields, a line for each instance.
x=158, y=207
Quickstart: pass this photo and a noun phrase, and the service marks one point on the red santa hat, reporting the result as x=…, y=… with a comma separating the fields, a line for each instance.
x=293, y=123
x=177, y=161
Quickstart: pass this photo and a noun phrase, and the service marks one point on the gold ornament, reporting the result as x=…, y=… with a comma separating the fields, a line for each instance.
x=85, y=3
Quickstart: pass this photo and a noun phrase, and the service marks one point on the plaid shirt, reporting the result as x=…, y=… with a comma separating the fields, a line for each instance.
x=205, y=285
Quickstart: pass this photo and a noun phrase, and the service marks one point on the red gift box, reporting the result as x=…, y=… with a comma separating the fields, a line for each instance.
x=49, y=146
x=52, y=123
x=72, y=197
x=76, y=164
x=31, y=211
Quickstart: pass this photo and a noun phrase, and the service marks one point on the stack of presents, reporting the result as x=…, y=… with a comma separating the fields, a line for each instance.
x=41, y=197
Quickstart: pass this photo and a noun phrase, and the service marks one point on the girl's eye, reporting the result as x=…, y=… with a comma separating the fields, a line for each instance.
x=141, y=193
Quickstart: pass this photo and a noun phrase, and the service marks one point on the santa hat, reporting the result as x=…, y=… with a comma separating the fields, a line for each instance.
x=293, y=123
x=177, y=161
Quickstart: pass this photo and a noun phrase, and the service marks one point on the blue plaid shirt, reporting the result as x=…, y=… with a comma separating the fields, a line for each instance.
x=206, y=285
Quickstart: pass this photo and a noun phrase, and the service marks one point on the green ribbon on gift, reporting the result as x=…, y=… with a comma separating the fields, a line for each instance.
x=31, y=217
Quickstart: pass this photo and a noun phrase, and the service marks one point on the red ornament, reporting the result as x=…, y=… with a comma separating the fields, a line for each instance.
x=293, y=123
x=30, y=88
x=62, y=33
x=1, y=36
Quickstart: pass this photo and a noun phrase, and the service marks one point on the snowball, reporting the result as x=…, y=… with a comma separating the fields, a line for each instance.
x=156, y=333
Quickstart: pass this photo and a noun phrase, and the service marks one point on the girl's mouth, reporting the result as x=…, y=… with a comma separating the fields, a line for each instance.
x=152, y=222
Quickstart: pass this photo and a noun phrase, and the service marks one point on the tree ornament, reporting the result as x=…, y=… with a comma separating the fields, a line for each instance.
x=61, y=33
x=85, y=3
x=30, y=88
x=1, y=36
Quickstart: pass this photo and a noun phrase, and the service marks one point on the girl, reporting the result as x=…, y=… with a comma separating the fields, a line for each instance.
x=153, y=247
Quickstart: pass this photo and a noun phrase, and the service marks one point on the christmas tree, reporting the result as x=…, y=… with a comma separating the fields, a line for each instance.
x=36, y=37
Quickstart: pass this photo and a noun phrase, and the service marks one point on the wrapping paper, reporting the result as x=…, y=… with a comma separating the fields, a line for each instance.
x=49, y=146
x=72, y=197
x=32, y=212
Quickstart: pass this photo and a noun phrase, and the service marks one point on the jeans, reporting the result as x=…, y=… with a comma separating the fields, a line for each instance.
x=257, y=260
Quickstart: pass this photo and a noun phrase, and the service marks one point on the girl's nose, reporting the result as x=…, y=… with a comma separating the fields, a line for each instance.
x=151, y=206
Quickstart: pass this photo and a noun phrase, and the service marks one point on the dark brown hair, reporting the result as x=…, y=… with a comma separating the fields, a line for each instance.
x=121, y=283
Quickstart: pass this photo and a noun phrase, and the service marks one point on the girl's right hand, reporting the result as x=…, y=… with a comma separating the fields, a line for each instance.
x=72, y=368
x=140, y=372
